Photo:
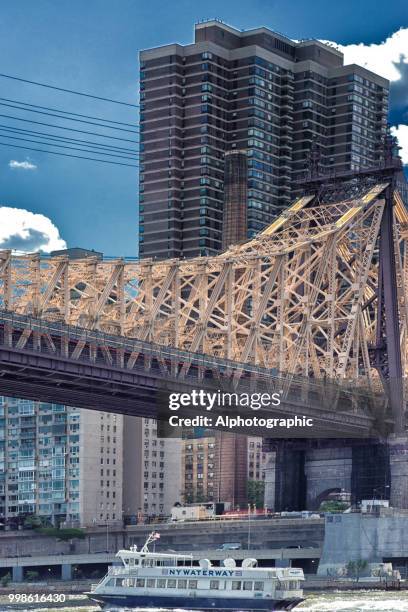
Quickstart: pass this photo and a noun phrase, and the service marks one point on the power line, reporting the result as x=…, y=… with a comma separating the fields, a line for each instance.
x=67, y=139
x=31, y=110
x=71, y=91
x=103, y=161
x=60, y=127
x=100, y=145
x=57, y=110
x=60, y=146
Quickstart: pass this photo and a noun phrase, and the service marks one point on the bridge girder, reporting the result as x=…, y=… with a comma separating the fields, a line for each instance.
x=301, y=297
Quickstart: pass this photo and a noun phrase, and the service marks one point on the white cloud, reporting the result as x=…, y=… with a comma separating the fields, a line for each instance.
x=23, y=165
x=24, y=231
x=401, y=132
x=380, y=58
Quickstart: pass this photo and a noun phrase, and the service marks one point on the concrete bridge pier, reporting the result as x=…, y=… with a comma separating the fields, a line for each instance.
x=398, y=448
x=270, y=481
x=327, y=470
x=290, y=480
x=66, y=571
x=17, y=573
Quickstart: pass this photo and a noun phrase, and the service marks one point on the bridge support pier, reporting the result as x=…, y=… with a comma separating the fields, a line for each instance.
x=301, y=473
x=371, y=471
x=398, y=446
x=290, y=483
x=270, y=481
x=66, y=571
x=327, y=470
x=17, y=573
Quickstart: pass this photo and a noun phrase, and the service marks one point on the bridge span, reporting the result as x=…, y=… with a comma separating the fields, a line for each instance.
x=58, y=363
x=321, y=294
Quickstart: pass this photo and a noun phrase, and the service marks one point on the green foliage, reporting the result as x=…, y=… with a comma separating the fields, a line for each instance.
x=5, y=580
x=356, y=568
x=256, y=493
x=32, y=575
x=333, y=506
x=32, y=522
x=198, y=498
x=63, y=534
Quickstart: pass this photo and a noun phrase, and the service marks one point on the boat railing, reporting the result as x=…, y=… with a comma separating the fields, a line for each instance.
x=120, y=570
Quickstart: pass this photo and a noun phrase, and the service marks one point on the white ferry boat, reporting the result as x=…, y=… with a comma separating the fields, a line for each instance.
x=147, y=579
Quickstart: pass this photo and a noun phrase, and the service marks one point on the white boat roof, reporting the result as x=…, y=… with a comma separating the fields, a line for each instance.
x=151, y=555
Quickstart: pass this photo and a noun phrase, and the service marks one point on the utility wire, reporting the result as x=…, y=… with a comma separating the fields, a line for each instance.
x=103, y=161
x=31, y=110
x=60, y=127
x=71, y=91
x=57, y=110
x=103, y=146
x=51, y=144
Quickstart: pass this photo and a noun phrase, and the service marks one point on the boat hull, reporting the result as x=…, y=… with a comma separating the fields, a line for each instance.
x=195, y=603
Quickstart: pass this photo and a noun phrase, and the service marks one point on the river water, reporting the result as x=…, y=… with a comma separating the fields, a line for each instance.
x=352, y=601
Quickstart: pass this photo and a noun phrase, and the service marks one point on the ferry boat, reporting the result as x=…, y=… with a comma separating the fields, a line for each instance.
x=145, y=579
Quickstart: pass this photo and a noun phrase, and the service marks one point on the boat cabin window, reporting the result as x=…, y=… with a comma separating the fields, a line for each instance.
x=214, y=584
x=258, y=586
x=161, y=583
x=192, y=584
x=140, y=582
x=130, y=562
x=247, y=585
x=181, y=584
x=151, y=583
x=292, y=585
x=236, y=585
x=171, y=583
x=148, y=562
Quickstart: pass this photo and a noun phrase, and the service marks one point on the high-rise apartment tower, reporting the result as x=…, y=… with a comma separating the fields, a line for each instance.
x=256, y=91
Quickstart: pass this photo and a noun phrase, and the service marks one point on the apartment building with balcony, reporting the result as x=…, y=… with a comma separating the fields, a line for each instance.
x=252, y=90
x=59, y=463
x=152, y=470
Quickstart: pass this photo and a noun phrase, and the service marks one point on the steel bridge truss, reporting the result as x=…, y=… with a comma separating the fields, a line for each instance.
x=301, y=297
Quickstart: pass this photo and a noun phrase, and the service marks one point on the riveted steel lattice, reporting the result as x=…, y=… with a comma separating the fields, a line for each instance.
x=300, y=297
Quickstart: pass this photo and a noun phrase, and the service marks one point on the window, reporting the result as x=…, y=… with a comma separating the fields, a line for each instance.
x=161, y=583
x=192, y=584
x=236, y=585
x=214, y=584
x=150, y=583
x=140, y=582
x=247, y=585
x=171, y=583
x=258, y=586
x=182, y=584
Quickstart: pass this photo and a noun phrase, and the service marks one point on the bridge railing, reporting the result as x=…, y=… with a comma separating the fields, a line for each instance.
x=51, y=337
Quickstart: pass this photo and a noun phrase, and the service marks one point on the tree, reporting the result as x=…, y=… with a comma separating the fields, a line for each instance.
x=5, y=580
x=32, y=522
x=63, y=534
x=333, y=506
x=197, y=498
x=356, y=568
x=256, y=493
x=32, y=575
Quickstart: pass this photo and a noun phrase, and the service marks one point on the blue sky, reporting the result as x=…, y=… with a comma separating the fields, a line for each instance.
x=93, y=46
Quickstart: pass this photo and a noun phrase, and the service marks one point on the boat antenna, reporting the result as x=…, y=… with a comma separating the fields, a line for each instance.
x=152, y=537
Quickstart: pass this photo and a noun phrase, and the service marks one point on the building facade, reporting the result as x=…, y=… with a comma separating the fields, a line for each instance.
x=199, y=470
x=209, y=474
x=256, y=91
x=152, y=481
x=60, y=464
